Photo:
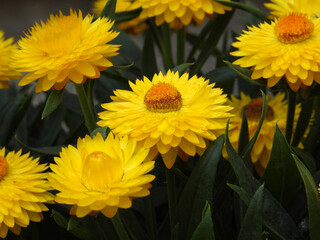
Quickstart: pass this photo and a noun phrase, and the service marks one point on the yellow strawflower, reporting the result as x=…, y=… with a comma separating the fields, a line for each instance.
x=23, y=191
x=7, y=71
x=171, y=115
x=101, y=175
x=65, y=48
x=276, y=114
x=134, y=26
x=287, y=48
x=280, y=8
x=179, y=12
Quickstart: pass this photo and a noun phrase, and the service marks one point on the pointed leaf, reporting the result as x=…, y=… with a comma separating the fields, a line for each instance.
x=251, y=227
x=52, y=103
x=59, y=219
x=181, y=68
x=73, y=222
x=312, y=199
x=306, y=158
x=104, y=131
x=109, y=9
x=244, y=135
x=123, y=67
x=149, y=62
x=205, y=227
x=127, y=15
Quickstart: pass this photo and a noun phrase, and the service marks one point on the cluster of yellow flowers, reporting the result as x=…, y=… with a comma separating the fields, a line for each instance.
x=170, y=115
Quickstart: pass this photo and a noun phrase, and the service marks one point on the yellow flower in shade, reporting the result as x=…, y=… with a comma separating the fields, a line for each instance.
x=65, y=48
x=276, y=114
x=134, y=26
x=23, y=190
x=101, y=175
x=280, y=8
x=170, y=114
x=287, y=48
x=179, y=12
x=7, y=71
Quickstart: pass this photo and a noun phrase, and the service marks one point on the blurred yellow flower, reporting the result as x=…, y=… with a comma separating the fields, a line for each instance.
x=7, y=71
x=179, y=12
x=276, y=114
x=65, y=48
x=134, y=26
x=172, y=115
x=288, y=47
x=23, y=190
x=101, y=175
x=280, y=8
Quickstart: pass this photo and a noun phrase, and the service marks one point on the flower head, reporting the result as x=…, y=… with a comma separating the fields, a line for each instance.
x=180, y=12
x=285, y=48
x=170, y=114
x=65, y=48
x=7, y=71
x=101, y=175
x=276, y=115
x=23, y=190
x=280, y=8
x=134, y=26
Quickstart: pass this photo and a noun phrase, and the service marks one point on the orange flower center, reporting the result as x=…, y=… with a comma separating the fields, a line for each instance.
x=294, y=28
x=99, y=170
x=254, y=109
x=3, y=167
x=163, y=97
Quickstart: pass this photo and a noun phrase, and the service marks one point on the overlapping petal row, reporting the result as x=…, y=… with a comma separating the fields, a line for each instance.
x=23, y=191
x=134, y=26
x=65, y=48
x=272, y=59
x=199, y=114
x=7, y=71
x=101, y=175
x=179, y=12
x=279, y=8
x=276, y=115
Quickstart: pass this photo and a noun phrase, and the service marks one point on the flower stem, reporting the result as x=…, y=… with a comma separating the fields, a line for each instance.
x=118, y=226
x=91, y=83
x=290, y=115
x=181, y=38
x=87, y=112
x=150, y=215
x=172, y=200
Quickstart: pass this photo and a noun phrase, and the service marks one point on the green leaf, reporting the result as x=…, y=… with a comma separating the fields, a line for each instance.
x=73, y=222
x=251, y=227
x=244, y=135
x=181, y=68
x=312, y=199
x=109, y=9
x=246, y=7
x=123, y=67
x=205, y=227
x=53, y=151
x=306, y=158
x=281, y=176
x=149, y=62
x=52, y=103
x=242, y=72
x=193, y=197
x=59, y=219
x=127, y=15
x=104, y=131
x=241, y=192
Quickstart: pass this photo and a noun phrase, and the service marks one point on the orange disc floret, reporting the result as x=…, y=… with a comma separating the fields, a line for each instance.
x=254, y=109
x=3, y=167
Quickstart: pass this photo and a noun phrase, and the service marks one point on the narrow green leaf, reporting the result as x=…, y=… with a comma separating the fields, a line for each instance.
x=251, y=227
x=312, y=199
x=93, y=228
x=52, y=103
x=246, y=7
x=244, y=135
x=242, y=72
x=181, y=68
x=306, y=158
x=59, y=219
x=241, y=192
x=205, y=227
x=123, y=67
x=73, y=222
x=193, y=197
x=127, y=15
x=109, y=9
x=53, y=151
x=281, y=176
x=104, y=131
x=149, y=62
x=107, y=226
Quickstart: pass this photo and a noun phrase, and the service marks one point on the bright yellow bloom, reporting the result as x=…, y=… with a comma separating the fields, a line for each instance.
x=180, y=12
x=134, y=26
x=170, y=114
x=65, y=48
x=7, y=71
x=101, y=175
x=282, y=7
x=276, y=114
x=23, y=190
x=287, y=48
